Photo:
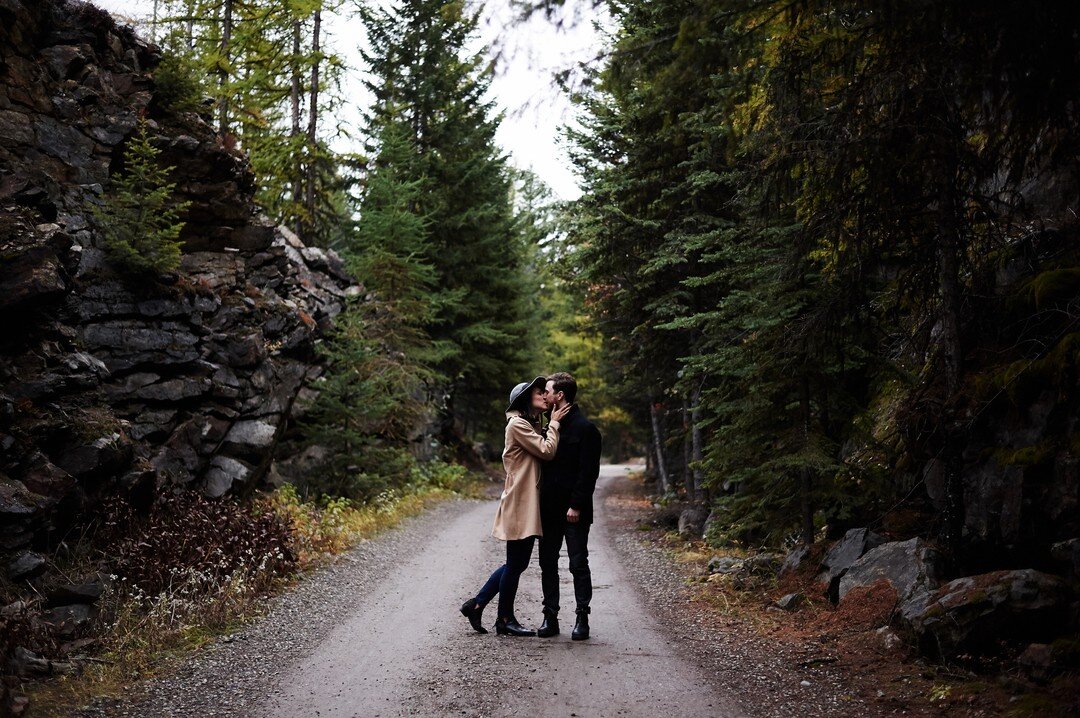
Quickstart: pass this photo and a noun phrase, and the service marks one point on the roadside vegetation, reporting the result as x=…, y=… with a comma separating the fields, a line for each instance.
x=192, y=570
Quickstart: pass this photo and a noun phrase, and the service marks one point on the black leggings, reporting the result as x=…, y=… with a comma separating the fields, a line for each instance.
x=504, y=581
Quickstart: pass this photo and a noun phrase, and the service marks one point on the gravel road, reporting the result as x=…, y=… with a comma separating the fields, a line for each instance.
x=378, y=634
x=406, y=650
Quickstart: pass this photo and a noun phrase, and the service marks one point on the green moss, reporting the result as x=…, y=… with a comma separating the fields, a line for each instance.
x=1035, y=455
x=1052, y=286
x=1025, y=379
x=940, y=692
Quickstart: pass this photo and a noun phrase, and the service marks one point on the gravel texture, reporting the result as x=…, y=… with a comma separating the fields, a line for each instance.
x=377, y=633
x=768, y=678
x=234, y=676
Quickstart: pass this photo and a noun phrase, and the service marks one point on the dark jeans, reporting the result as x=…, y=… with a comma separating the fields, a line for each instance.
x=577, y=548
x=504, y=581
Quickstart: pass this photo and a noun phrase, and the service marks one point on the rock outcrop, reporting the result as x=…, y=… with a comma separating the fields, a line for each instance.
x=974, y=613
x=842, y=555
x=108, y=383
x=910, y=567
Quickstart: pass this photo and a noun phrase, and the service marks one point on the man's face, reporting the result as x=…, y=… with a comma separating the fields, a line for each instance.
x=555, y=398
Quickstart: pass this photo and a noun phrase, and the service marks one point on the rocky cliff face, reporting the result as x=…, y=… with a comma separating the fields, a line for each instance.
x=110, y=384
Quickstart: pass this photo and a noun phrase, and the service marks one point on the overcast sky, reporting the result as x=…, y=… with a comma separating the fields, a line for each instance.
x=530, y=52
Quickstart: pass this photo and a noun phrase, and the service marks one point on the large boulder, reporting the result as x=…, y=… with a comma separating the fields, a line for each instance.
x=843, y=554
x=26, y=564
x=224, y=471
x=1067, y=554
x=692, y=522
x=976, y=612
x=910, y=567
x=794, y=560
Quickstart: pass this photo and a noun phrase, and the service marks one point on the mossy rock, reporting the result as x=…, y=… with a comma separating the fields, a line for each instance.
x=1023, y=380
x=1036, y=455
x=1053, y=286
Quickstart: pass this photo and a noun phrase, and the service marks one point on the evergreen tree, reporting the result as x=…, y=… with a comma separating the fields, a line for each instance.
x=374, y=399
x=425, y=83
x=139, y=220
x=802, y=205
x=273, y=82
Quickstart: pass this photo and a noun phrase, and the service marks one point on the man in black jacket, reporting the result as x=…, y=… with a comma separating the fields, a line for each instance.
x=566, y=508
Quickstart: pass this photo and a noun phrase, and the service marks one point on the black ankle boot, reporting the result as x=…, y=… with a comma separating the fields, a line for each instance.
x=511, y=627
x=581, y=626
x=550, y=626
x=472, y=611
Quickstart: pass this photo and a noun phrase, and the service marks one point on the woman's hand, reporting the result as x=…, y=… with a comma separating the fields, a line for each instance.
x=560, y=413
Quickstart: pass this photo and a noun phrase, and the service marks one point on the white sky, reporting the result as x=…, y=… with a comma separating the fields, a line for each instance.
x=535, y=110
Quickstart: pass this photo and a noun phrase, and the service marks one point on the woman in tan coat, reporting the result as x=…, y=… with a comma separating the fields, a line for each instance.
x=517, y=521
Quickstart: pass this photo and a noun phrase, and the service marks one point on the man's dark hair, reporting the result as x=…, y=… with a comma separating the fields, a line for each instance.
x=565, y=383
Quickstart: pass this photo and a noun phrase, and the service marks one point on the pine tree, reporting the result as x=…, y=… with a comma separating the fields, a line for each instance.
x=139, y=220
x=424, y=82
x=373, y=400
x=273, y=83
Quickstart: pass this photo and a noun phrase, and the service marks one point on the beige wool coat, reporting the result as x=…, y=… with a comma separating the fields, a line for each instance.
x=518, y=516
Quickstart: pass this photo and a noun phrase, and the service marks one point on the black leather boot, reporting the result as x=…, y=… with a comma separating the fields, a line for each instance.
x=511, y=627
x=550, y=626
x=581, y=626
x=473, y=611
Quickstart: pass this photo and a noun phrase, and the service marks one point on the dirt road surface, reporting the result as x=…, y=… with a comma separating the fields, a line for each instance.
x=405, y=650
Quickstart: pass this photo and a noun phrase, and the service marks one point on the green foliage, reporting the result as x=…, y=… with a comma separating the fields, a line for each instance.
x=434, y=94
x=793, y=219
x=178, y=82
x=370, y=403
x=273, y=89
x=139, y=220
x=374, y=399
x=440, y=475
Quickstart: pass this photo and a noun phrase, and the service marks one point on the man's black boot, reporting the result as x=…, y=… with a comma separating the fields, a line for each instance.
x=581, y=627
x=550, y=626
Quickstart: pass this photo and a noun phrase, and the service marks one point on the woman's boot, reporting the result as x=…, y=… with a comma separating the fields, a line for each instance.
x=511, y=627
x=473, y=611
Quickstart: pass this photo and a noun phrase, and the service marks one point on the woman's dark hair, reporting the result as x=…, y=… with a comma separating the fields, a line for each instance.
x=524, y=403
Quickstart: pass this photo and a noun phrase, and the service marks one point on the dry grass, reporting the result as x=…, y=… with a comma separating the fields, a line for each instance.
x=144, y=636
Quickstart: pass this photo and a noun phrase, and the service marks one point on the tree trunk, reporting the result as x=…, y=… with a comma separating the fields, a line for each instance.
x=226, y=39
x=313, y=121
x=806, y=478
x=688, y=452
x=658, y=448
x=949, y=244
x=695, y=433
x=294, y=98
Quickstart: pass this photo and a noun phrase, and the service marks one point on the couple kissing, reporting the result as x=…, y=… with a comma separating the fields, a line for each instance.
x=550, y=477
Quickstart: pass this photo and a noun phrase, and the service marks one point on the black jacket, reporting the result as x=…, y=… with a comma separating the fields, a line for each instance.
x=568, y=480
